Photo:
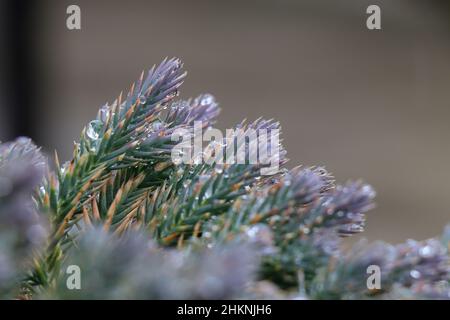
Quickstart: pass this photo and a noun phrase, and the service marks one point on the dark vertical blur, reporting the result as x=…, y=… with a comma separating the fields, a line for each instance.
x=19, y=76
x=3, y=114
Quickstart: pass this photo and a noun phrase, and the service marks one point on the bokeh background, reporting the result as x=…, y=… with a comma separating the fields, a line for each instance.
x=365, y=104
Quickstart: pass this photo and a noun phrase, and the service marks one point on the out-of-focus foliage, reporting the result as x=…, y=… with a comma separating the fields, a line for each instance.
x=134, y=267
x=22, y=230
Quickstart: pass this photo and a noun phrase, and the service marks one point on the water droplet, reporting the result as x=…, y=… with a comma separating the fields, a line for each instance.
x=260, y=232
x=198, y=158
x=356, y=228
x=207, y=99
x=174, y=94
x=187, y=183
x=305, y=230
x=104, y=113
x=415, y=274
x=93, y=129
x=207, y=235
x=180, y=105
x=208, y=194
x=157, y=125
x=177, y=65
x=426, y=252
x=63, y=168
x=142, y=99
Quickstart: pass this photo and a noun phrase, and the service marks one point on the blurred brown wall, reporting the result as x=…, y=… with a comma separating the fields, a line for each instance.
x=366, y=104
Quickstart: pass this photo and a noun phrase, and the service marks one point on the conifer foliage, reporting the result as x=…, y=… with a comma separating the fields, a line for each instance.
x=139, y=226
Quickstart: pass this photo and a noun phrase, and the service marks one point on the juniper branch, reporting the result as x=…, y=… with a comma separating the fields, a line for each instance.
x=176, y=211
x=128, y=134
x=296, y=208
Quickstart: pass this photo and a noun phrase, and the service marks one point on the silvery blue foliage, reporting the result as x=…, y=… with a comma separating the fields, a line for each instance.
x=21, y=227
x=134, y=267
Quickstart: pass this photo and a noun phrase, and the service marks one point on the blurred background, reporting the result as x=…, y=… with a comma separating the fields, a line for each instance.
x=365, y=104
